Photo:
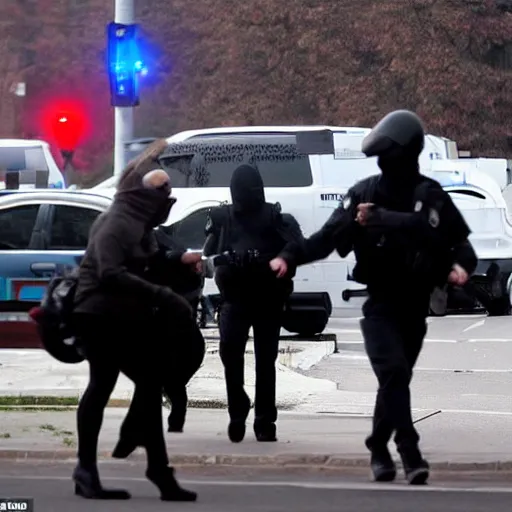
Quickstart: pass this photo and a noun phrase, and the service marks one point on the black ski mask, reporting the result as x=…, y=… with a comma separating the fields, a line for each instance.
x=247, y=193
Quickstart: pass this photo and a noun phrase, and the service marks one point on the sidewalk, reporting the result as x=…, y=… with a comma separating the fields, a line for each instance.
x=449, y=441
x=33, y=372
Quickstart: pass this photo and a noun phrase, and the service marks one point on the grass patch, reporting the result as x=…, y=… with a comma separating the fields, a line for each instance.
x=20, y=400
x=48, y=427
x=65, y=434
x=35, y=408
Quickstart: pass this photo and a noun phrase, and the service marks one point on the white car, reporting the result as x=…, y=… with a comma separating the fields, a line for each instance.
x=28, y=157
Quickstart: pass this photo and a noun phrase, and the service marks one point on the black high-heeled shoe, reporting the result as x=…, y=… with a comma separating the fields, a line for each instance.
x=168, y=486
x=124, y=448
x=88, y=485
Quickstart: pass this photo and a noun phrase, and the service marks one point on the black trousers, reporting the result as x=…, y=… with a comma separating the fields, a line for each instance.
x=180, y=349
x=185, y=354
x=236, y=319
x=114, y=345
x=393, y=341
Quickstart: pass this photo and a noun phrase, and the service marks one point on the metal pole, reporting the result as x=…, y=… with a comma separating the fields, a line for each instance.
x=123, y=120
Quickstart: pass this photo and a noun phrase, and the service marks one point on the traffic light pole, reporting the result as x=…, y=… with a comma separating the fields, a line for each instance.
x=123, y=120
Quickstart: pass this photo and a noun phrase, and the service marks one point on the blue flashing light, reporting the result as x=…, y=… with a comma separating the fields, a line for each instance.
x=125, y=64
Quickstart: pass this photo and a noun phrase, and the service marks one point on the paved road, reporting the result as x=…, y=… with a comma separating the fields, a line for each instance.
x=466, y=364
x=50, y=487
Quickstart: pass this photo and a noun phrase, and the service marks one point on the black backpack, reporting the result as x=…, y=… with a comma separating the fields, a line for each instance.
x=53, y=318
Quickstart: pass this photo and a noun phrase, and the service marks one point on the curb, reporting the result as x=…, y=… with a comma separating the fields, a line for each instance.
x=305, y=461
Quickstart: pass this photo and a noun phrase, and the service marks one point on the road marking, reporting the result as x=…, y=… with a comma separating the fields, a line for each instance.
x=470, y=411
x=490, y=340
x=428, y=340
x=462, y=370
x=438, y=340
x=342, y=486
x=475, y=325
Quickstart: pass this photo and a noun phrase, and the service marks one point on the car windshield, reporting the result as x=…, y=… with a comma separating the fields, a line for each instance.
x=27, y=158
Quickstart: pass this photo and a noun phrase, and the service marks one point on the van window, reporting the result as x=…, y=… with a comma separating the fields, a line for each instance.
x=292, y=171
x=27, y=158
x=189, y=232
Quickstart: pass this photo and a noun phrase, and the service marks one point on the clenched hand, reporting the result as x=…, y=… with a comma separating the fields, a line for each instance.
x=364, y=211
x=279, y=266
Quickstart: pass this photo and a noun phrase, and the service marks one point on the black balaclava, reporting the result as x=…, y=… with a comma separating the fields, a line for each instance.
x=138, y=199
x=247, y=191
x=400, y=168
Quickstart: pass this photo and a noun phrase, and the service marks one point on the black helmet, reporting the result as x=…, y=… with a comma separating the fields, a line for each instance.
x=399, y=133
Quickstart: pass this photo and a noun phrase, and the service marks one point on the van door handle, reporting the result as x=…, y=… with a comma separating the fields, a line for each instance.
x=43, y=269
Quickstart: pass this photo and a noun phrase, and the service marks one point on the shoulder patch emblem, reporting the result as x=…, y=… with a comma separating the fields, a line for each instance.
x=347, y=201
x=433, y=218
x=418, y=206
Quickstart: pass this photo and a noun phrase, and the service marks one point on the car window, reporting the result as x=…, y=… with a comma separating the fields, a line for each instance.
x=189, y=232
x=70, y=227
x=30, y=158
x=16, y=226
x=209, y=166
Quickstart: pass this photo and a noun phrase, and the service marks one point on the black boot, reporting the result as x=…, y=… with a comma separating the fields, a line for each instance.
x=381, y=463
x=416, y=468
x=236, y=427
x=236, y=431
x=88, y=485
x=265, y=432
x=125, y=447
x=169, y=488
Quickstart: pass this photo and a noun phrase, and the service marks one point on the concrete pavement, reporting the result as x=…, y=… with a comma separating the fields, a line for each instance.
x=50, y=487
x=33, y=372
x=465, y=368
x=461, y=402
x=324, y=441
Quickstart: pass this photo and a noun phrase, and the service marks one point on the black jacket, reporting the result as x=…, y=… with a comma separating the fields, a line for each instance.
x=435, y=227
x=121, y=243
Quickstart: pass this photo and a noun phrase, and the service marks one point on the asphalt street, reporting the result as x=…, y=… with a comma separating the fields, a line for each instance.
x=465, y=365
x=51, y=488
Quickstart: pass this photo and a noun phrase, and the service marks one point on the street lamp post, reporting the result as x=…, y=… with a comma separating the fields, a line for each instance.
x=123, y=120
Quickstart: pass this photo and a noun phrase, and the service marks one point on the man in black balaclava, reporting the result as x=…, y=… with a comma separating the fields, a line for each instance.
x=408, y=237
x=249, y=234
x=113, y=317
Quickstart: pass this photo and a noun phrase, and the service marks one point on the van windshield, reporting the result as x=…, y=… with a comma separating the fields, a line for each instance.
x=280, y=166
x=26, y=158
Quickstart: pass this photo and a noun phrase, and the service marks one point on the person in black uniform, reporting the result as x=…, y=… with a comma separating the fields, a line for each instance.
x=183, y=347
x=113, y=318
x=408, y=237
x=182, y=272
x=249, y=234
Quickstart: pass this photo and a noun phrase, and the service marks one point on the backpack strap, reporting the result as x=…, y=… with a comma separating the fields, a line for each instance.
x=225, y=227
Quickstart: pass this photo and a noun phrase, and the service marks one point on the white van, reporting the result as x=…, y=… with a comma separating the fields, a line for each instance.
x=308, y=182
x=28, y=157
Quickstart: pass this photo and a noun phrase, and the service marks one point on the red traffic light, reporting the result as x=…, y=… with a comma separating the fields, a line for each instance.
x=68, y=128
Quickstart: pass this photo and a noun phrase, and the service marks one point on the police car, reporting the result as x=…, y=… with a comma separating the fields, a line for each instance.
x=39, y=230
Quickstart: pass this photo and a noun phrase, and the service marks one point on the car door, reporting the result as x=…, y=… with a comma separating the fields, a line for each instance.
x=65, y=237
x=20, y=242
